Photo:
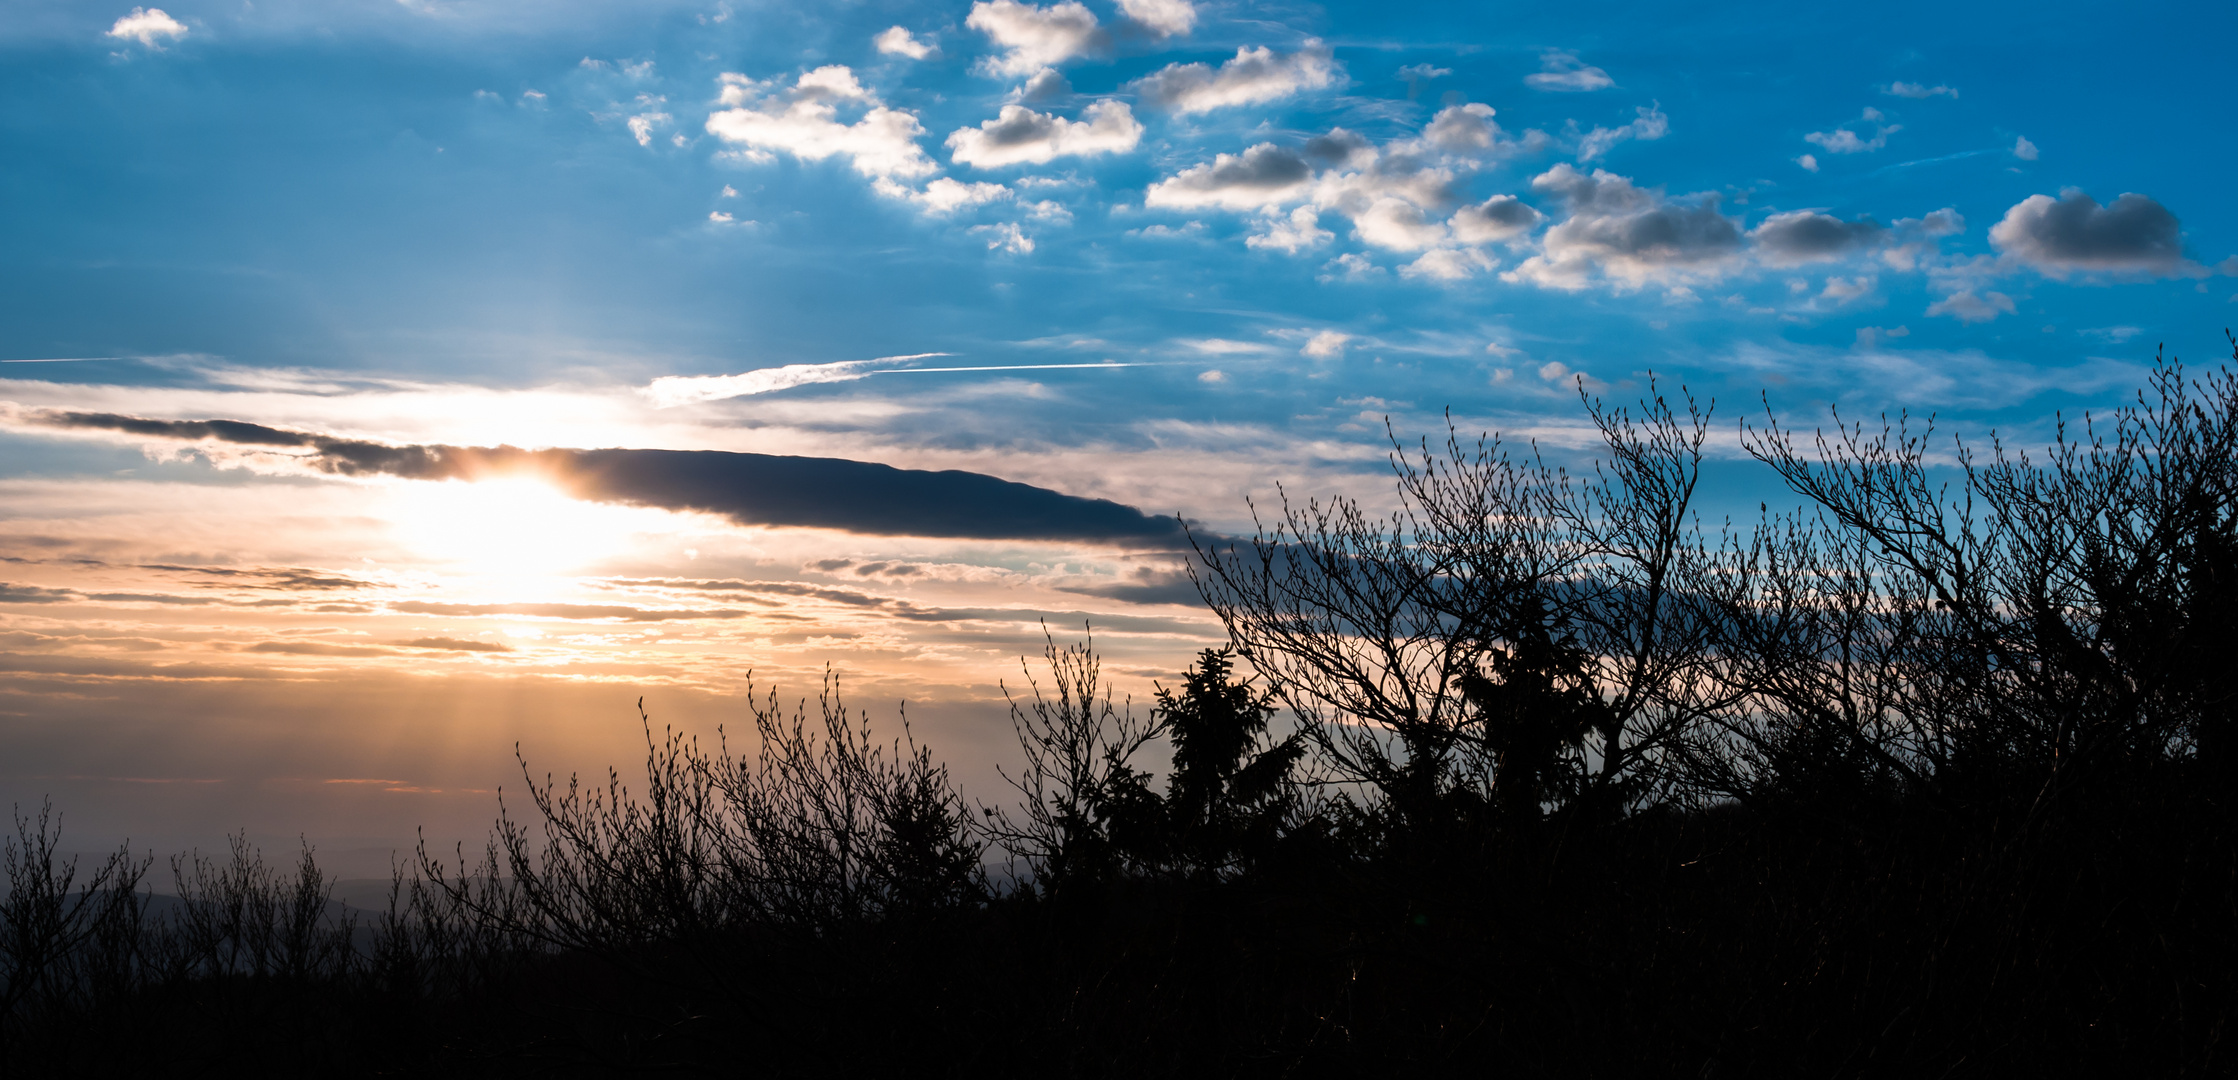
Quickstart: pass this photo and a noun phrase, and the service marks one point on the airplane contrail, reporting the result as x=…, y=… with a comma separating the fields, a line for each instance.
x=1025, y=367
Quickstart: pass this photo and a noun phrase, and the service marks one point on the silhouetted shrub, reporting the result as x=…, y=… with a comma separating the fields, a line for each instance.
x=1536, y=774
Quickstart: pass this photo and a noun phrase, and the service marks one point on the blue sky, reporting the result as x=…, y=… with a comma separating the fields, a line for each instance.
x=1220, y=242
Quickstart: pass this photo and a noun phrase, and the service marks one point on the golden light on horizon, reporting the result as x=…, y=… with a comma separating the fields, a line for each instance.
x=512, y=528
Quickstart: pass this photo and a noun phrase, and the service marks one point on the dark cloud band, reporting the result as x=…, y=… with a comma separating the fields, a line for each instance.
x=751, y=489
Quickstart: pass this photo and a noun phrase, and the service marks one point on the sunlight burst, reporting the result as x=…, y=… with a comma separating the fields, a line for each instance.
x=513, y=528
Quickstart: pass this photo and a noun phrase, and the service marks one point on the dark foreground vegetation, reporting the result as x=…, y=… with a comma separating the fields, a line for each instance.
x=1536, y=777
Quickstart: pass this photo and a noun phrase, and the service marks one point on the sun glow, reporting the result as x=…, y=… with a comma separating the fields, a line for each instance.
x=513, y=527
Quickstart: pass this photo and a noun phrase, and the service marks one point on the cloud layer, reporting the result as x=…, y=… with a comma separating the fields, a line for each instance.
x=750, y=489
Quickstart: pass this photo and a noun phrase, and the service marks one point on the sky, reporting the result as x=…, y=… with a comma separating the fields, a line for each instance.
x=392, y=383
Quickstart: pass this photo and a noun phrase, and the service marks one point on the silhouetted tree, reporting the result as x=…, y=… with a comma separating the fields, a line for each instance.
x=1229, y=793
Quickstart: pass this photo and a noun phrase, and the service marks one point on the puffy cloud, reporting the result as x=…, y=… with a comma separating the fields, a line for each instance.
x=1020, y=135
x=1651, y=125
x=1463, y=129
x=1560, y=70
x=1326, y=345
x=1969, y=308
x=1034, y=37
x=2023, y=149
x=898, y=41
x=1448, y=264
x=1628, y=234
x=1423, y=72
x=1167, y=18
x=1292, y=234
x=1918, y=91
x=1048, y=84
x=1809, y=162
x=1398, y=225
x=943, y=195
x=1265, y=175
x=1256, y=75
x=1341, y=148
x=832, y=82
x=1804, y=236
x=2133, y=235
x=803, y=121
x=1398, y=195
x=148, y=26
x=1842, y=140
x=1501, y=217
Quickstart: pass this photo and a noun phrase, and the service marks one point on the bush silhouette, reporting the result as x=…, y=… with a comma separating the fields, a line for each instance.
x=1536, y=773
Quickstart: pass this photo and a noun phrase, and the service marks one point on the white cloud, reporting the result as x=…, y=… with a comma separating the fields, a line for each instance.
x=1263, y=176
x=729, y=192
x=831, y=82
x=1969, y=308
x=1629, y=235
x=898, y=41
x=642, y=125
x=1007, y=237
x=1651, y=125
x=1326, y=345
x=1398, y=196
x=1448, y=264
x=1020, y=135
x=1167, y=18
x=1463, y=129
x=1188, y=231
x=1501, y=217
x=1423, y=72
x=803, y=121
x=1350, y=267
x=1227, y=347
x=1255, y=76
x=2132, y=236
x=1034, y=37
x=1048, y=210
x=2023, y=149
x=943, y=195
x=1290, y=234
x=1918, y=91
x=1842, y=140
x=1397, y=225
x=1561, y=70
x=1809, y=162
x=148, y=26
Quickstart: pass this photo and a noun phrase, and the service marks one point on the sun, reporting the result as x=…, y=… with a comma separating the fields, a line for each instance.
x=514, y=527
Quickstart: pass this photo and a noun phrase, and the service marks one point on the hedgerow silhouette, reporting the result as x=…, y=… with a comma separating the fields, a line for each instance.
x=1536, y=773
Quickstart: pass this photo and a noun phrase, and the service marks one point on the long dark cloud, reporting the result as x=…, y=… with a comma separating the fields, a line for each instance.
x=751, y=489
